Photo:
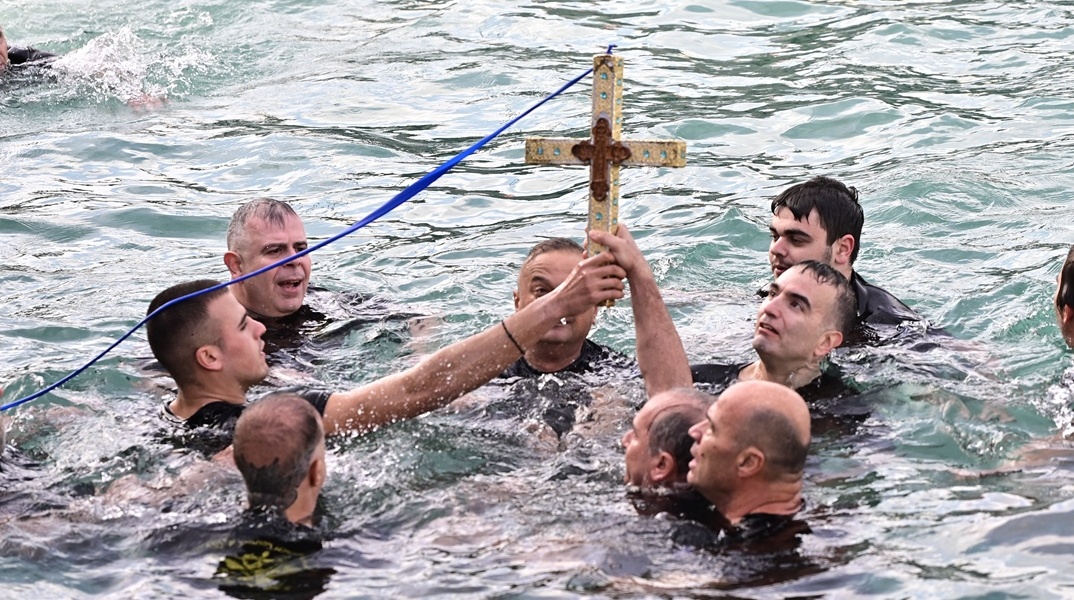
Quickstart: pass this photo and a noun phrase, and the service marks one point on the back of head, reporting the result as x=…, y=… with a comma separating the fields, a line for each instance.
x=836, y=204
x=1065, y=295
x=275, y=442
x=274, y=212
x=670, y=428
x=178, y=331
x=776, y=421
x=844, y=311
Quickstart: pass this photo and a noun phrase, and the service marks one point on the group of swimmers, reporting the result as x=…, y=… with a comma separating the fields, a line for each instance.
x=744, y=453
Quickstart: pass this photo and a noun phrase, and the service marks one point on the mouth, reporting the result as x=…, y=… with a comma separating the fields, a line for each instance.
x=765, y=327
x=779, y=268
x=290, y=285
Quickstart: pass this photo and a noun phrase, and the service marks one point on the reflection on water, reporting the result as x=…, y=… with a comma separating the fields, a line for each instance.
x=952, y=120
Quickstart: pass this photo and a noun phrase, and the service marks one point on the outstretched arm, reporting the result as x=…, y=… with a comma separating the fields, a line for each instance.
x=661, y=356
x=466, y=365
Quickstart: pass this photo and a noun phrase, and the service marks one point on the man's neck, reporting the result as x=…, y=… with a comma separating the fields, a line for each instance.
x=549, y=358
x=301, y=510
x=775, y=498
x=193, y=397
x=793, y=377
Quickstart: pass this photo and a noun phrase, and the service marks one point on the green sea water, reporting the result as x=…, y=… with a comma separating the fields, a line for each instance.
x=953, y=119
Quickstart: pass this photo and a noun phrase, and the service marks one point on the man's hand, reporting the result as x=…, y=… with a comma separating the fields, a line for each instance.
x=623, y=248
x=592, y=281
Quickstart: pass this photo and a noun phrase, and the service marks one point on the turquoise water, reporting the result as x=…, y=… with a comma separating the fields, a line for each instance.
x=953, y=119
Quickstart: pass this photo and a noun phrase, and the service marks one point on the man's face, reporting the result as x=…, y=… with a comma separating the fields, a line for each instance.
x=543, y=274
x=712, y=471
x=282, y=290
x=239, y=340
x=638, y=453
x=796, y=241
x=794, y=318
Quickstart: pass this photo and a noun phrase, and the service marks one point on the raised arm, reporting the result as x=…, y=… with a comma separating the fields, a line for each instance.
x=661, y=356
x=466, y=365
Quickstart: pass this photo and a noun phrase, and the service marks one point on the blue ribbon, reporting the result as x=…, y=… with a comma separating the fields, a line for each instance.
x=384, y=209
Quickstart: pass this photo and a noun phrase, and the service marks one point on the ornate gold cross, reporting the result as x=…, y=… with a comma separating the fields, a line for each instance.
x=604, y=152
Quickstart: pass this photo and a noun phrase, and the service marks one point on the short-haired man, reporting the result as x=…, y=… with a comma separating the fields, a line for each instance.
x=656, y=448
x=821, y=220
x=749, y=457
x=213, y=350
x=806, y=315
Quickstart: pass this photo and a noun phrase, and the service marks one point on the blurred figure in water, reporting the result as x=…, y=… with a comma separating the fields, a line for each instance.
x=17, y=56
x=1064, y=298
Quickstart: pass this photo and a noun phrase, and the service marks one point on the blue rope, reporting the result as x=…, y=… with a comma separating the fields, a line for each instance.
x=384, y=209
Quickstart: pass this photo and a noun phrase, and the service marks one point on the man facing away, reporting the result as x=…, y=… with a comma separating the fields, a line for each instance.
x=806, y=314
x=213, y=350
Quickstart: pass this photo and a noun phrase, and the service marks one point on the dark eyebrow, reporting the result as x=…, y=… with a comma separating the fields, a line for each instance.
x=795, y=233
x=541, y=280
x=800, y=298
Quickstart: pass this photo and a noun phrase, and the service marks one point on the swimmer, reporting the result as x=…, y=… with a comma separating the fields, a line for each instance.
x=16, y=56
x=1064, y=298
x=749, y=454
x=807, y=313
x=656, y=448
x=213, y=350
x=566, y=347
x=821, y=220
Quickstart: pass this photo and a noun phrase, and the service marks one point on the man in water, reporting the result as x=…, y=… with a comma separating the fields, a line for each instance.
x=213, y=350
x=807, y=313
x=656, y=448
x=749, y=454
x=1064, y=298
x=16, y=56
x=821, y=220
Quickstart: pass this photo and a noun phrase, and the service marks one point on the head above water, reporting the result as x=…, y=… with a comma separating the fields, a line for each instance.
x=750, y=450
x=548, y=264
x=657, y=446
x=819, y=220
x=262, y=232
x=176, y=333
x=279, y=449
x=1064, y=298
x=808, y=312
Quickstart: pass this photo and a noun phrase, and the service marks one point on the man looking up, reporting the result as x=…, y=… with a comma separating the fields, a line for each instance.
x=750, y=453
x=262, y=232
x=213, y=350
x=821, y=220
x=807, y=312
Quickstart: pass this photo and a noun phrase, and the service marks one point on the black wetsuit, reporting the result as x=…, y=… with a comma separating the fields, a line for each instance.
x=716, y=377
x=758, y=532
x=19, y=56
x=211, y=428
x=556, y=397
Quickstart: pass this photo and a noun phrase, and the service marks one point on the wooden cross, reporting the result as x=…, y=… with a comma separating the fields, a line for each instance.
x=604, y=152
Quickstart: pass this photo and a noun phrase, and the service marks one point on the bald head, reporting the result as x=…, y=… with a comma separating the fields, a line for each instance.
x=774, y=419
x=276, y=440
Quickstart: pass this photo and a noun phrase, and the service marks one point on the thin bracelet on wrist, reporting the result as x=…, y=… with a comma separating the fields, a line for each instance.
x=512, y=338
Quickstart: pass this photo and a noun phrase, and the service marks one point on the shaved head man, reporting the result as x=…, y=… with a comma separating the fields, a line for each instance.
x=750, y=451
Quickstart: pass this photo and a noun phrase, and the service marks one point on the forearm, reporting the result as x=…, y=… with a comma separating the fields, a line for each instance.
x=661, y=356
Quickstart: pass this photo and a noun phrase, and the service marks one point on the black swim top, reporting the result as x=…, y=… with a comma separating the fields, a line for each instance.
x=25, y=55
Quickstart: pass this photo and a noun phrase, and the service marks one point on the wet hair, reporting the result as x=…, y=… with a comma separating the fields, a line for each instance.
x=845, y=310
x=557, y=244
x=670, y=429
x=275, y=440
x=837, y=207
x=1065, y=296
x=176, y=333
x=775, y=435
x=275, y=212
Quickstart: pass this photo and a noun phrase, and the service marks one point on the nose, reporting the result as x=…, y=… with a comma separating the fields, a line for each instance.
x=627, y=438
x=778, y=247
x=259, y=328
x=696, y=431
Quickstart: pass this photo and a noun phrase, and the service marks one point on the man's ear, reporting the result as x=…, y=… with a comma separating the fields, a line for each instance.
x=517, y=299
x=829, y=341
x=749, y=462
x=209, y=357
x=662, y=468
x=1066, y=316
x=842, y=249
x=233, y=262
x=317, y=473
